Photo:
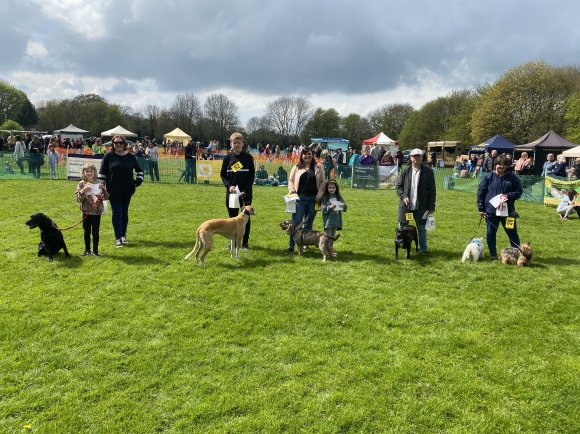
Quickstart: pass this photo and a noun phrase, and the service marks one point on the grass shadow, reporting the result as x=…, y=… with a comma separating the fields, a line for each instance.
x=73, y=262
x=140, y=260
x=163, y=243
x=556, y=260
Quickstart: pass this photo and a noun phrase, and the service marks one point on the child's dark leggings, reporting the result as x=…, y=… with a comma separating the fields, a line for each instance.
x=92, y=224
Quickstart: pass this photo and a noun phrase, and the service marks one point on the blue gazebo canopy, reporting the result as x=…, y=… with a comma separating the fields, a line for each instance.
x=496, y=142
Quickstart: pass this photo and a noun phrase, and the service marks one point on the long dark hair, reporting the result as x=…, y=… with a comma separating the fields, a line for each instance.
x=301, y=164
x=326, y=195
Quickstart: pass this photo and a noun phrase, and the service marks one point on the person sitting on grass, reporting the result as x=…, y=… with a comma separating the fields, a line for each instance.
x=261, y=176
x=568, y=205
x=282, y=176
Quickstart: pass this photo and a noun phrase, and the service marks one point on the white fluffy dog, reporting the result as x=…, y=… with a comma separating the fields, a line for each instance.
x=474, y=250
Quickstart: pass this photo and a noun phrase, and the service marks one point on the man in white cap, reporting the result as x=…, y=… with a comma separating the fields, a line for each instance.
x=417, y=193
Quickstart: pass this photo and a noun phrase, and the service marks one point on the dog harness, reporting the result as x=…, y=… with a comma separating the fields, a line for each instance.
x=478, y=243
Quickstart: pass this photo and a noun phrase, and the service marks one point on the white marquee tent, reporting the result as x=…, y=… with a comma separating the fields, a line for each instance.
x=72, y=129
x=118, y=131
x=571, y=153
x=177, y=135
x=71, y=132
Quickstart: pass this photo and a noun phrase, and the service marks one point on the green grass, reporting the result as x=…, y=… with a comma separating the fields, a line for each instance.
x=140, y=341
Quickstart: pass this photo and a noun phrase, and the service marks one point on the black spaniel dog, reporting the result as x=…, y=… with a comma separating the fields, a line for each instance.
x=51, y=239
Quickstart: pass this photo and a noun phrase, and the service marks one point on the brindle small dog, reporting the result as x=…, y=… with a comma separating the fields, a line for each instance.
x=514, y=256
x=303, y=238
x=404, y=239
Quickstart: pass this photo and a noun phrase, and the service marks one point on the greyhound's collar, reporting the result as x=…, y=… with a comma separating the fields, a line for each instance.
x=245, y=211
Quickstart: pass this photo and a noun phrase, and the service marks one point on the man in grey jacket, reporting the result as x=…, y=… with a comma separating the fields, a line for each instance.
x=489, y=162
x=417, y=193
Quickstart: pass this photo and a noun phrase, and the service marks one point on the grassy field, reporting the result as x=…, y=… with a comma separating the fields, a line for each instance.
x=140, y=341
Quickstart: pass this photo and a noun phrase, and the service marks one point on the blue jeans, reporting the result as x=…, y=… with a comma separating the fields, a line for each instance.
x=493, y=222
x=304, y=211
x=190, y=169
x=154, y=170
x=421, y=231
x=120, y=216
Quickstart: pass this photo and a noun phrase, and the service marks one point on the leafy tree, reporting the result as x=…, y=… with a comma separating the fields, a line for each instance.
x=460, y=106
x=355, y=128
x=572, y=118
x=288, y=116
x=259, y=130
x=220, y=116
x=14, y=104
x=152, y=114
x=113, y=117
x=51, y=116
x=90, y=112
x=524, y=103
x=426, y=124
x=186, y=113
x=390, y=119
x=323, y=123
x=445, y=118
x=10, y=125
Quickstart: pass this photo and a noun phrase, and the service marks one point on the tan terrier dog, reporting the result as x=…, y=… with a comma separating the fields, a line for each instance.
x=514, y=256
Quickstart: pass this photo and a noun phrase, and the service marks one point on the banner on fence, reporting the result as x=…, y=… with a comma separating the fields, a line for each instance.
x=374, y=176
x=209, y=170
x=75, y=163
x=555, y=189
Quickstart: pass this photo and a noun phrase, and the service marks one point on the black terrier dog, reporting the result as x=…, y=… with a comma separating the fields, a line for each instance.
x=404, y=238
x=51, y=239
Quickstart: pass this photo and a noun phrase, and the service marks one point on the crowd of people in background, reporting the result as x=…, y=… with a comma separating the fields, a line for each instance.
x=37, y=151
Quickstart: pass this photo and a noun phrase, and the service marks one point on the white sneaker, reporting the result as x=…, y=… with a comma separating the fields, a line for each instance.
x=118, y=243
x=124, y=240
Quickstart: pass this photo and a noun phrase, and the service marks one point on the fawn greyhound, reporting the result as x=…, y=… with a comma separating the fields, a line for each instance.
x=232, y=228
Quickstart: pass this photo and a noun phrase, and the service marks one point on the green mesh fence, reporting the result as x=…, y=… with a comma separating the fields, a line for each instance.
x=173, y=170
x=532, y=186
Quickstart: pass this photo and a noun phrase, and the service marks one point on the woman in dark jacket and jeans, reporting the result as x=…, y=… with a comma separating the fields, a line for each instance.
x=509, y=188
x=117, y=173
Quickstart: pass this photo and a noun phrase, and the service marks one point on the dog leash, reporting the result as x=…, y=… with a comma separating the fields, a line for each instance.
x=84, y=216
x=497, y=229
x=477, y=230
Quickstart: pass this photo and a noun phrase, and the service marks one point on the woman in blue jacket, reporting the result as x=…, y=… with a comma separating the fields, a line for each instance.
x=509, y=188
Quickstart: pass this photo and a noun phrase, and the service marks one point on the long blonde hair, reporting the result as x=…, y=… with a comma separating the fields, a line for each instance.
x=87, y=167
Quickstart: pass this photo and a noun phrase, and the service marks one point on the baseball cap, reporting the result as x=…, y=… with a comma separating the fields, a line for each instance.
x=416, y=151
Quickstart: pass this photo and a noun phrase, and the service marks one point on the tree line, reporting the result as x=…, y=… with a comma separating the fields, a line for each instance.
x=524, y=103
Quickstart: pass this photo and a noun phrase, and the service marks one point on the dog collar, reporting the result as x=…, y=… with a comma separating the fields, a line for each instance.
x=244, y=211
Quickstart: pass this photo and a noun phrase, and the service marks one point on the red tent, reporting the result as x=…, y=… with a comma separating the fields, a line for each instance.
x=381, y=139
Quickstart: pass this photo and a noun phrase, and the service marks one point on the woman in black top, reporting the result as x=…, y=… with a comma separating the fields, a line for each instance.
x=117, y=173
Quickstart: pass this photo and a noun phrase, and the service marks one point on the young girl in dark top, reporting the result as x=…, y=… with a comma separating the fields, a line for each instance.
x=332, y=205
x=90, y=193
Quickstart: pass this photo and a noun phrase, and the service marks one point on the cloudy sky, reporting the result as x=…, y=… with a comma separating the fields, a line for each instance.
x=353, y=55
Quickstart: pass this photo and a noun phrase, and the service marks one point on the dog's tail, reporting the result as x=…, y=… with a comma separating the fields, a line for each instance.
x=466, y=256
x=196, y=247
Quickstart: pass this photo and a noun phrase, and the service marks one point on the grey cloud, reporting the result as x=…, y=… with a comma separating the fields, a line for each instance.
x=312, y=46
x=123, y=86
